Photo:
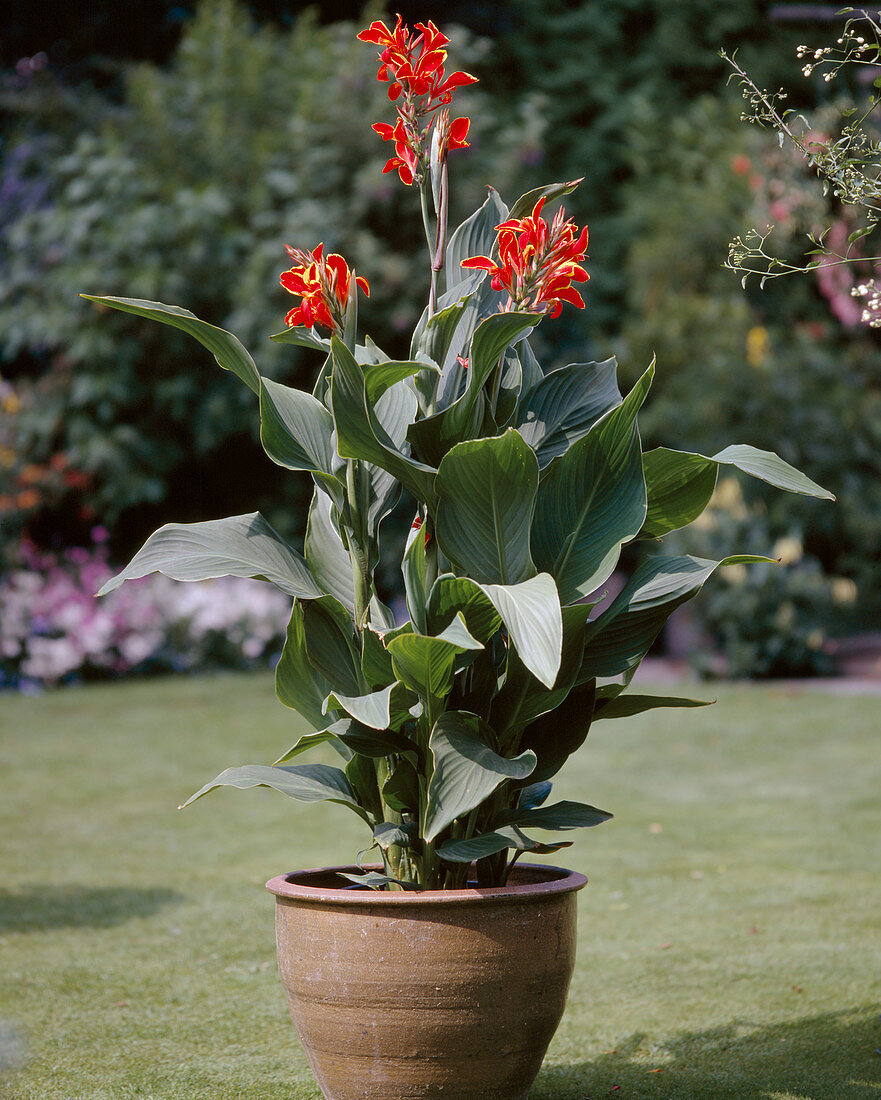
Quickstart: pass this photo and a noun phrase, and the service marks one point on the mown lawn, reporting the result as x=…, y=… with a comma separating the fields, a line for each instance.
x=730, y=934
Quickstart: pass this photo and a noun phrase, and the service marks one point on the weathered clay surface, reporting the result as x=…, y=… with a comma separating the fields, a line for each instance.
x=444, y=994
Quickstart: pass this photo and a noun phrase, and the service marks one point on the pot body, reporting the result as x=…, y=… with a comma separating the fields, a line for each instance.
x=400, y=995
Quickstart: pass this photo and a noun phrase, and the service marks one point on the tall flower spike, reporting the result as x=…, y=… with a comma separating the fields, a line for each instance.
x=538, y=263
x=324, y=284
x=412, y=62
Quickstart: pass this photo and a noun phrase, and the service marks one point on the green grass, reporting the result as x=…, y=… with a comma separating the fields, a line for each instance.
x=730, y=937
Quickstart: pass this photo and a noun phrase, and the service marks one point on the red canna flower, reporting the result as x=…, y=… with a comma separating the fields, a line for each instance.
x=413, y=64
x=537, y=262
x=324, y=284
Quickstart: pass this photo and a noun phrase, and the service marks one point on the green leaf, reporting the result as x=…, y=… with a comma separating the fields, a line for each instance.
x=526, y=203
x=413, y=568
x=381, y=376
x=226, y=349
x=466, y=770
x=435, y=435
x=558, y=733
x=400, y=792
x=531, y=612
x=325, y=554
x=561, y=815
x=619, y=639
x=534, y=795
x=306, y=782
x=425, y=664
x=332, y=645
x=770, y=467
x=478, y=847
x=624, y=706
x=678, y=488
x=456, y=632
x=297, y=684
x=309, y=741
x=524, y=697
x=388, y=834
x=491, y=337
x=295, y=428
x=394, y=413
x=565, y=405
x=376, y=662
x=361, y=774
x=361, y=435
x=681, y=483
x=379, y=710
x=302, y=337
x=451, y=594
x=486, y=491
x=592, y=500
x=365, y=741
x=240, y=546
x=476, y=236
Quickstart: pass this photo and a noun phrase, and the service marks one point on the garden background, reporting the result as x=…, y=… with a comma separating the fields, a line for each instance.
x=168, y=151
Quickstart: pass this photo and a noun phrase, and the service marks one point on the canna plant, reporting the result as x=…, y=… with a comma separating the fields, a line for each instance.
x=451, y=726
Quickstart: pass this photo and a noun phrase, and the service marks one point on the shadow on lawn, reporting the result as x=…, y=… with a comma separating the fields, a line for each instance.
x=830, y=1057
x=40, y=908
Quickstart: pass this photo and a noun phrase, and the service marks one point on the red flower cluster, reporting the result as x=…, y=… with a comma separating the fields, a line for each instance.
x=413, y=64
x=537, y=262
x=324, y=283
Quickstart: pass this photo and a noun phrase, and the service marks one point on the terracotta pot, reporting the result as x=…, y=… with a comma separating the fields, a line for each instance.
x=452, y=994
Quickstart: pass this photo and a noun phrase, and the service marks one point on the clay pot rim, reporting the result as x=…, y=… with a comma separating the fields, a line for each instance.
x=531, y=881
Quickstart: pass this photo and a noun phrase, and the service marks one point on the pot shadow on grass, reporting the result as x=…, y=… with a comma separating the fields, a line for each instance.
x=43, y=908
x=830, y=1057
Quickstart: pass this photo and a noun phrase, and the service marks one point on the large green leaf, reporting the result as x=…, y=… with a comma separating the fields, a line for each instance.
x=478, y=847
x=592, y=500
x=394, y=412
x=624, y=706
x=226, y=349
x=380, y=710
x=297, y=683
x=309, y=741
x=531, y=612
x=240, y=546
x=619, y=639
x=425, y=664
x=565, y=405
x=560, y=815
x=678, y=488
x=771, y=468
x=332, y=645
x=295, y=428
x=381, y=376
x=526, y=203
x=325, y=554
x=360, y=433
x=558, y=733
x=434, y=435
x=486, y=491
x=491, y=337
x=306, y=782
x=476, y=236
x=466, y=770
x=413, y=568
x=302, y=337
x=524, y=697
x=367, y=741
x=681, y=483
x=450, y=594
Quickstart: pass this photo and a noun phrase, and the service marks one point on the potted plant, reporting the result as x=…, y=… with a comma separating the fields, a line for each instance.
x=442, y=968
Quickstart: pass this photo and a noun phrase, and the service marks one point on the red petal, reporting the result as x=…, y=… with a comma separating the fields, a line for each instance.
x=484, y=263
x=365, y=286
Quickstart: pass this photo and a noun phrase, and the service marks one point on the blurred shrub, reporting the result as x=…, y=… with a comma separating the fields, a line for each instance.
x=778, y=369
x=186, y=193
x=759, y=621
x=53, y=630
